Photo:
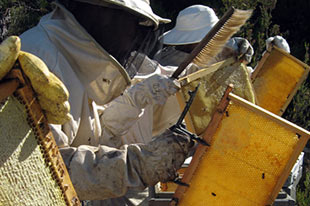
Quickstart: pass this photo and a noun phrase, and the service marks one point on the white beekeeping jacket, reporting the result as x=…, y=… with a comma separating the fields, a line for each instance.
x=87, y=70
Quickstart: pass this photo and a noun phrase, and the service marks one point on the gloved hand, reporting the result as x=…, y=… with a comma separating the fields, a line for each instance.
x=153, y=90
x=169, y=151
x=51, y=92
x=279, y=42
x=9, y=51
x=237, y=46
x=124, y=111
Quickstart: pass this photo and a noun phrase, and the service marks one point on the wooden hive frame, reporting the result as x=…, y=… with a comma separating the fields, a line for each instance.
x=280, y=62
x=17, y=86
x=219, y=115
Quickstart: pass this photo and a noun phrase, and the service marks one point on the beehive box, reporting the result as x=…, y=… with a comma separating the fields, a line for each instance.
x=32, y=171
x=276, y=79
x=251, y=155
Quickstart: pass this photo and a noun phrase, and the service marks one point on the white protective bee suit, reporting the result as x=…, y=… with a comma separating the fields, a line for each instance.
x=93, y=77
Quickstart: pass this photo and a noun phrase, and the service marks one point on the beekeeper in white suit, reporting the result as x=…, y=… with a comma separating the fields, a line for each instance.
x=192, y=24
x=88, y=49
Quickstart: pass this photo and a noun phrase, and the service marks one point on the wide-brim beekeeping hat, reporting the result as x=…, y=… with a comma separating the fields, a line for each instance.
x=192, y=24
x=138, y=7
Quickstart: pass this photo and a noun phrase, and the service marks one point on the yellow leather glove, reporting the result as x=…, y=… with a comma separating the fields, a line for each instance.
x=52, y=94
x=9, y=50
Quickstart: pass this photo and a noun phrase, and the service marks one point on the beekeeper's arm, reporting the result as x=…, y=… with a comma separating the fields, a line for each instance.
x=124, y=111
x=103, y=172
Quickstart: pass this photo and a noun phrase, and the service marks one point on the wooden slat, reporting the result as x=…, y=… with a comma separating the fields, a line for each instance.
x=291, y=57
x=259, y=65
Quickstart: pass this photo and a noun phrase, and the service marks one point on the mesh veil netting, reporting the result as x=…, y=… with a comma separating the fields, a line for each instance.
x=121, y=32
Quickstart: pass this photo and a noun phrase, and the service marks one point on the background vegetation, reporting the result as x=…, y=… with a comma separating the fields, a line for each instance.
x=16, y=16
x=287, y=18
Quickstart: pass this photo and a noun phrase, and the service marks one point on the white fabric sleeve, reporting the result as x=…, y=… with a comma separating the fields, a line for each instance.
x=117, y=118
x=123, y=112
x=102, y=172
x=60, y=137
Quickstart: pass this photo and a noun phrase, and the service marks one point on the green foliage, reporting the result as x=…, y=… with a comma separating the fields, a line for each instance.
x=293, y=16
x=303, y=192
x=16, y=16
x=298, y=110
x=296, y=29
